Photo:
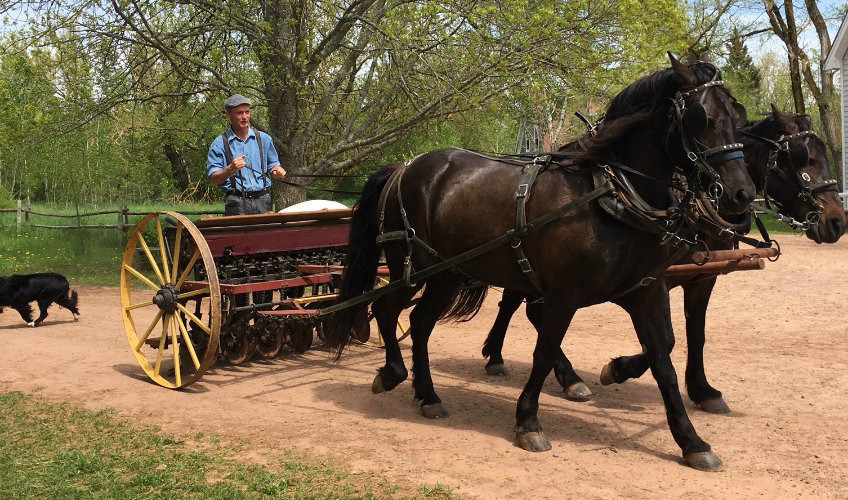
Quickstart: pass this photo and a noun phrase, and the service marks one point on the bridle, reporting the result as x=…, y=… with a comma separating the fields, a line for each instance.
x=798, y=180
x=704, y=160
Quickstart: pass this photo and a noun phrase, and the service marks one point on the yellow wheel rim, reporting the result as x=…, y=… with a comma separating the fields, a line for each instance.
x=162, y=295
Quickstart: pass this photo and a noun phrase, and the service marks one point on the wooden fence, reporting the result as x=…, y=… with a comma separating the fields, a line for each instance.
x=123, y=224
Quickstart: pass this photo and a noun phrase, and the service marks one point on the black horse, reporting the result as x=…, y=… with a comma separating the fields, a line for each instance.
x=446, y=224
x=789, y=166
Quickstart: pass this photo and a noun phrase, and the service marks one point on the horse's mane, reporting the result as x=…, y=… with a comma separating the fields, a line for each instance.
x=644, y=100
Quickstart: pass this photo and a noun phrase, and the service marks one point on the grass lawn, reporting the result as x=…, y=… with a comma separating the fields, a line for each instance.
x=58, y=451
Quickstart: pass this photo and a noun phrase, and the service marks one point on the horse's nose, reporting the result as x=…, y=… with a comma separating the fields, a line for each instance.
x=836, y=226
x=741, y=198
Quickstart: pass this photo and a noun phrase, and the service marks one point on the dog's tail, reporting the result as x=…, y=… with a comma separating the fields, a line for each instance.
x=70, y=303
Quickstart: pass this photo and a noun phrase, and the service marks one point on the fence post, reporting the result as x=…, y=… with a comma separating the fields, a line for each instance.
x=26, y=211
x=121, y=210
x=19, y=217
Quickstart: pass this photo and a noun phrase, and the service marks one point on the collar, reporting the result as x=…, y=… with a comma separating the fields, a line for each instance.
x=232, y=135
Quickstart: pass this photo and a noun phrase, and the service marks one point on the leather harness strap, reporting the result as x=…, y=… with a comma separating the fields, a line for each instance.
x=529, y=174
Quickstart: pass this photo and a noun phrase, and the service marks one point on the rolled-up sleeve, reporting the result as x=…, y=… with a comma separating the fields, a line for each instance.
x=270, y=151
x=215, y=160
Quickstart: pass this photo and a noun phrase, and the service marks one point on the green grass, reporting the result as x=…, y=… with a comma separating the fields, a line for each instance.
x=84, y=256
x=57, y=451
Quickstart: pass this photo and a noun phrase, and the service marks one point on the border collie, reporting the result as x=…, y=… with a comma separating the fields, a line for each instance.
x=18, y=290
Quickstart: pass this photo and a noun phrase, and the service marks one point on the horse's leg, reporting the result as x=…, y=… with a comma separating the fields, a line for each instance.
x=649, y=310
x=696, y=298
x=437, y=297
x=386, y=311
x=493, y=346
x=574, y=386
x=622, y=368
x=551, y=322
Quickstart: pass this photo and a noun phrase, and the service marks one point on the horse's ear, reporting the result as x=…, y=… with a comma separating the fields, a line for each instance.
x=684, y=73
x=696, y=118
x=785, y=123
x=799, y=154
x=740, y=114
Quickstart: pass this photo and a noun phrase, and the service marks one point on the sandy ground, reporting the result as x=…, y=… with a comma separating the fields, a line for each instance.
x=776, y=347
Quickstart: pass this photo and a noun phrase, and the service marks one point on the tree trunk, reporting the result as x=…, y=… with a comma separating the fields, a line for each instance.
x=179, y=169
x=828, y=111
x=822, y=88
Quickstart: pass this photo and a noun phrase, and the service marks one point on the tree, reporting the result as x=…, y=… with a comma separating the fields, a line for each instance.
x=336, y=81
x=740, y=64
x=820, y=83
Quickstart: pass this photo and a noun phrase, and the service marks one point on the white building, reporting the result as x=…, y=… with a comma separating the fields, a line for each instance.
x=838, y=59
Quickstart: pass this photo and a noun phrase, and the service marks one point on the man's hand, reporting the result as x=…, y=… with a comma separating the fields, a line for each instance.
x=237, y=164
x=278, y=173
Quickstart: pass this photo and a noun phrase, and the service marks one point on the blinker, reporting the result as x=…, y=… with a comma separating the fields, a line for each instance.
x=695, y=118
x=799, y=154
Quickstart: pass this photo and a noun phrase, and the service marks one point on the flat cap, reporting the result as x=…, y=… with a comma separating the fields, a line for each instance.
x=236, y=100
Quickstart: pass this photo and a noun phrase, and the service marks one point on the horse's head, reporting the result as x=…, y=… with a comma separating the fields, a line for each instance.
x=789, y=165
x=702, y=136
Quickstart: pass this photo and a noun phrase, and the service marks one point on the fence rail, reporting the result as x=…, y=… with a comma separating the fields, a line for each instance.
x=23, y=212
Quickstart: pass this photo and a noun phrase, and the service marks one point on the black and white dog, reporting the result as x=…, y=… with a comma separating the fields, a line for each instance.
x=18, y=290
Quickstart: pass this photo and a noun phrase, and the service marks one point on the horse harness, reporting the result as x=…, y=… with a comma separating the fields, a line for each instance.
x=799, y=180
x=682, y=117
x=615, y=193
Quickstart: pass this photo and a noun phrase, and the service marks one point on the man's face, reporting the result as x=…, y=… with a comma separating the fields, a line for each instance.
x=239, y=116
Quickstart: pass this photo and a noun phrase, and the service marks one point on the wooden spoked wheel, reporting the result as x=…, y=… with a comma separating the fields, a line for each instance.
x=157, y=298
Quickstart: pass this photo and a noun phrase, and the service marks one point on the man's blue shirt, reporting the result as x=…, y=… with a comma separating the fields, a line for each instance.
x=252, y=177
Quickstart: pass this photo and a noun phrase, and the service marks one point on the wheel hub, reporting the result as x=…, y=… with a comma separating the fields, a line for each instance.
x=166, y=299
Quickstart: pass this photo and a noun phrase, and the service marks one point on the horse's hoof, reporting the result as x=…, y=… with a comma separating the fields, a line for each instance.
x=578, y=391
x=714, y=405
x=377, y=386
x=434, y=411
x=533, y=441
x=496, y=370
x=705, y=460
x=76, y=317
x=31, y=323
x=607, y=377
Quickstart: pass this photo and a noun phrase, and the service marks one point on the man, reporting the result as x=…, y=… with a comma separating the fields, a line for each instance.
x=241, y=160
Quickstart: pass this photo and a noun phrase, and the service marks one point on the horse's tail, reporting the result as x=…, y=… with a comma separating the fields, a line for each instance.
x=363, y=254
x=466, y=303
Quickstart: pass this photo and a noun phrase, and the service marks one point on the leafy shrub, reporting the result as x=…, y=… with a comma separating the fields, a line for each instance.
x=6, y=200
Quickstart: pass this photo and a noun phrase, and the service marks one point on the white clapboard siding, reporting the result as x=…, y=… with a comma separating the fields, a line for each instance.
x=843, y=85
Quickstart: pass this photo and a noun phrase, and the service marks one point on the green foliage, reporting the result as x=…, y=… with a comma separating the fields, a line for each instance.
x=740, y=72
x=54, y=450
x=6, y=198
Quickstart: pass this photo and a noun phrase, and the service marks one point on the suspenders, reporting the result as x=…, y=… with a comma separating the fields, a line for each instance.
x=228, y=156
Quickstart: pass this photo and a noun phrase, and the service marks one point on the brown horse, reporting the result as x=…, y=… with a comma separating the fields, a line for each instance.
x=449, y=210
x=789, y=166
